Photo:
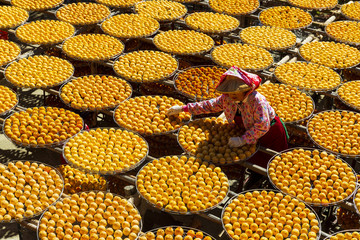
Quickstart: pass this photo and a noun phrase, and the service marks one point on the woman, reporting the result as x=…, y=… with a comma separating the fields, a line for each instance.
x=246, y=107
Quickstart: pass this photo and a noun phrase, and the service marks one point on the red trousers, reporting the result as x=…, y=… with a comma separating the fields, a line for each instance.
x=3, y=35
x=274, y=139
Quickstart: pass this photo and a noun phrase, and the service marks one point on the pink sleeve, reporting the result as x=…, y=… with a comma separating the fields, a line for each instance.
x=261, y=123
x=185, y=108
x=210, y=106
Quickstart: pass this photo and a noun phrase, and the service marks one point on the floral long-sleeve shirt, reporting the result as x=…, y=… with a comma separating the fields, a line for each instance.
x=256, y=113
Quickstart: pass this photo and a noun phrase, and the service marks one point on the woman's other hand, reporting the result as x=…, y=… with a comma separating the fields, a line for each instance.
x=174, y=110
x=236, y=142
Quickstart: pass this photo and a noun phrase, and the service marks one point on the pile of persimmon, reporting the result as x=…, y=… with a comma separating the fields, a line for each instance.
x=93, y=47
x=288, y=102
x=130, y=26
x=351, y=10
x=145, y=66
x=345, y=31
x=270, y=38
x=183, y=42
x=182, y=184
x=82, y=13
x=199, y=82
x=312, y=176
x=107, y=150
x=147, y=115
x=161, y=10
x=27, y=188
x=331, y=54
x=310, y=4
x=209, y=22
x=8, y=99
x=271, y=215
x=231, y=7
x=285, y=17
x=345, y=235
x=91, y=215
x=38, y=5
x=95, y=92
x=336, y=131
x=80, y=181
x=45, y=32
x=11, y=16
x=309, y=76
x=349, y=92
x=39, y=71
x=40, y=126
x=119, y=3
x=245, y=56
x=9, y=51
x=178, y=233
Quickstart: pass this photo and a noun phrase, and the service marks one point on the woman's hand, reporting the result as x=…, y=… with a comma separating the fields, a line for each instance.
x=236, y=142
x=174, y=110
